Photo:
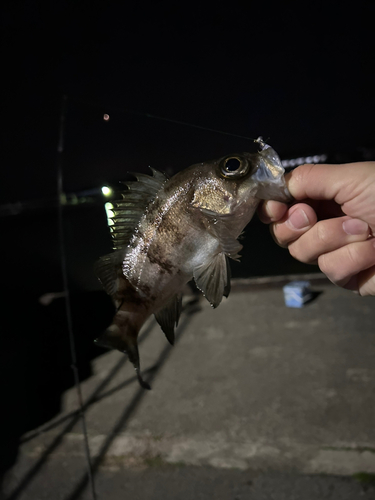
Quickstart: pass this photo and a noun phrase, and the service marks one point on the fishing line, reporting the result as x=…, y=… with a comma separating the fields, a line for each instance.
x=162, y=118
x=60, y=193
x=186, y=124
x=68, y=312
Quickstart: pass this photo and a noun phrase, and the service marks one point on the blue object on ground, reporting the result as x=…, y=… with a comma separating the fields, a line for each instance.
x=297, y=293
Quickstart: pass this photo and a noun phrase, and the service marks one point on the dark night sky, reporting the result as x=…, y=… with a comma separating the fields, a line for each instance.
x=303, y=76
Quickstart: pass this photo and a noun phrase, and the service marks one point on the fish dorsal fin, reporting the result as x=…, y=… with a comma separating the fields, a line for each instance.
x=222, y=226
x=107, y=270
x=213, y=278
x=128, y=211
x=168, y=317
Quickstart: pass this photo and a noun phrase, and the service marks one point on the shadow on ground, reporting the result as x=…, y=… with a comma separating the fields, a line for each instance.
x=51, y=410
x=35, y=359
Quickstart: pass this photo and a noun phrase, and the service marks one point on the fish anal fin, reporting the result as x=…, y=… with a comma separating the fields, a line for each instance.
x=213, y=278
x=168, y=317
x=122, y=335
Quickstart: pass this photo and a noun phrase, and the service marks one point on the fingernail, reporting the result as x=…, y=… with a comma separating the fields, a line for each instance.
x=298, y=219
x=355, y=226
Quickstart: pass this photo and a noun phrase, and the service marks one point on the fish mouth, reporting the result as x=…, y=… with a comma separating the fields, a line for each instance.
x=269, y=166
x=267, y=172
x=270, y=175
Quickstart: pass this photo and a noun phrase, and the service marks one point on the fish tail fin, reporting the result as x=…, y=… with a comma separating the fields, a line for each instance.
x=122, y=335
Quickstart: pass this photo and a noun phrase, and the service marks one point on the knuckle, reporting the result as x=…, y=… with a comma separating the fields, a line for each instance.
x=299, y=251
x=338, y=269
x=302, y=172
x=293, y=250
x=353, y=255
x=325, y=266
x=322, y=233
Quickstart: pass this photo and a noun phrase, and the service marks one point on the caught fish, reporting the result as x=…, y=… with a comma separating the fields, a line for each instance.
x=167, y=232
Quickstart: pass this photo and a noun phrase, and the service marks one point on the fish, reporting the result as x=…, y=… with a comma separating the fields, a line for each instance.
x=169, y=231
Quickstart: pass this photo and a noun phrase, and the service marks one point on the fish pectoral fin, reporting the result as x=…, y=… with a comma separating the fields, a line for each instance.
x=213, y=278
x=222, y=227
x=107, y=269
x=168, y=317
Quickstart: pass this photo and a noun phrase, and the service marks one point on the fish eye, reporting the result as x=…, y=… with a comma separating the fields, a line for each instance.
x=234, y=166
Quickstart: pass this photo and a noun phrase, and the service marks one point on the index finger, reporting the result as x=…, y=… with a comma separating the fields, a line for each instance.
x=271, y=211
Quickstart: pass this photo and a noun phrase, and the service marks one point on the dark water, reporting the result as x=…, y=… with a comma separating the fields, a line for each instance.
x=35, y=356
x=31, y=250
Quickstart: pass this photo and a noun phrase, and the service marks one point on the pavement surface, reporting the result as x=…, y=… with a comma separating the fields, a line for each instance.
x=254, y=401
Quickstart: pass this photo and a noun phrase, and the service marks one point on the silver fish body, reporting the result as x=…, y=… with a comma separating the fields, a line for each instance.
x=169, y=231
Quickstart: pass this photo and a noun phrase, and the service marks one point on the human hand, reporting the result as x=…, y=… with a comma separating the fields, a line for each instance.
x=332, y=223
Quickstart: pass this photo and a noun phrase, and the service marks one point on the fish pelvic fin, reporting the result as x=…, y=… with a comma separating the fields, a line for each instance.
x=122, y=335
x=213, y=278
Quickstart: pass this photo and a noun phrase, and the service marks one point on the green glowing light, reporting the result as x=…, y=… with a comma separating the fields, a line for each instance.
x=108, y=210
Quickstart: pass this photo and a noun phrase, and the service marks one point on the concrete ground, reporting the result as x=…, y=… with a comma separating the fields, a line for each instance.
x=254, y=401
